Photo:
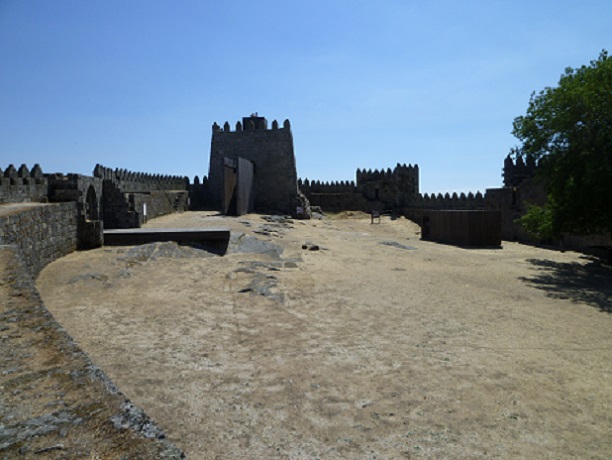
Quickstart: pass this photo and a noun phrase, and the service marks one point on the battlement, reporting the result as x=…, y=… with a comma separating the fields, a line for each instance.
x=516, y=171
x=21, y=176
x=23, y=185
x=307, y=186
x=400, y=171
x=128, y=181
x=471, y=201
x=251, y=124
x=273, y=185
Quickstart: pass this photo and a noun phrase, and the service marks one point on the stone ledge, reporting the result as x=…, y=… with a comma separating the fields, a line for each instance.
x=52, y=397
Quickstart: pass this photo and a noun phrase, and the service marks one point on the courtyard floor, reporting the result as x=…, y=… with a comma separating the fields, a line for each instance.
x=367, y=343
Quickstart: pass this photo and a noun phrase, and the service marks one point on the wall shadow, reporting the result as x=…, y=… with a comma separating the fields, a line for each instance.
x=589, y=283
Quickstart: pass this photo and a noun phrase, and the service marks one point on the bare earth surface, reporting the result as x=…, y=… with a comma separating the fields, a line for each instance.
x=377, y=345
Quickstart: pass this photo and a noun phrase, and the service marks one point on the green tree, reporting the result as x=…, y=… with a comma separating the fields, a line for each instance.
x=568, y=130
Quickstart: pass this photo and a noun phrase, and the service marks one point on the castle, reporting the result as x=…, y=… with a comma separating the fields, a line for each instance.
x=46, y=216
x=251, y=168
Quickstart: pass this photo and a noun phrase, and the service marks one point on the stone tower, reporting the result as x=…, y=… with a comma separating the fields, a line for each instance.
x=257, y=163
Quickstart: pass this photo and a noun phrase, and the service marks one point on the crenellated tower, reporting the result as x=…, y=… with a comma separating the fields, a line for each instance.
x=255, y=164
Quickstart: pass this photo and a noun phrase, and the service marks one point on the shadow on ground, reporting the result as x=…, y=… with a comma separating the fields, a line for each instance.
x=589, y=283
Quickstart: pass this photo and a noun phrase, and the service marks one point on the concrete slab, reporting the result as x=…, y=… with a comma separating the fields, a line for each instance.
x=214, y=239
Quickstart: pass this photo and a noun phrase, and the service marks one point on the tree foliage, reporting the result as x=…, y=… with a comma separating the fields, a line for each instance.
x=568, y=130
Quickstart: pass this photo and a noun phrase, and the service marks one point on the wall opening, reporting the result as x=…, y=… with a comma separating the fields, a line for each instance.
x=92, y=211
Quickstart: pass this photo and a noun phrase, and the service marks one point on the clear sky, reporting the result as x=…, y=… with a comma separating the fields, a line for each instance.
x=138, y=84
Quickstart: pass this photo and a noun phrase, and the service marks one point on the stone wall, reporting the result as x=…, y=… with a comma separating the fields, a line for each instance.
x=43, y=232
x=382, y=190
x=86, y=191
x=515, y=172
x=271, y=152
x=444, y=202
x=129, y=199
x=55, y=402
x=23, y=185
x=199, y=194
x=133, y=182
x=394, y=188
x=337, y=202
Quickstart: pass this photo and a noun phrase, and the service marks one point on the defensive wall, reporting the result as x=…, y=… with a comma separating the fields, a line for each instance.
x=50, y=215
x=389, y=189
x=42, y=232
x=44, y=217
x=130, y=198
x=23, y=185
x=522, y=189
x=50, y=388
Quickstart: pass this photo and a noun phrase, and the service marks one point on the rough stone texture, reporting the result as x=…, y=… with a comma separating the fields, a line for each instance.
x=146, y=252
x=125, y=195
x=23, y=185
x=271, y=151
x=43, y=232
x=86, y=191
x=374, y=190
x=53, y=399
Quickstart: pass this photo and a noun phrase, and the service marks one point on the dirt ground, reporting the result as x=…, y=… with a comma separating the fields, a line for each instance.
x=376, y=345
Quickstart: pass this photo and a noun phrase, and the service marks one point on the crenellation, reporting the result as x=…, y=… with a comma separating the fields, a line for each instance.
x=22, y=185
x=122, y=198
x=270, y=154
x=517, y=171
x=23, y=173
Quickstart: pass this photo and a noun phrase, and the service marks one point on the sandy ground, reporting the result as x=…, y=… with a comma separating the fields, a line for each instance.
x=377, y=345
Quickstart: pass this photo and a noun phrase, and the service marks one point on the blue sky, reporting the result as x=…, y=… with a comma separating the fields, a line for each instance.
x=138, y=84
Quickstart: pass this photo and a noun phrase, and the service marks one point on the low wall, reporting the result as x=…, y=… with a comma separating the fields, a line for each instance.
x=127, y=210
x=43, y=232
x=159, y=203
x=55, y=402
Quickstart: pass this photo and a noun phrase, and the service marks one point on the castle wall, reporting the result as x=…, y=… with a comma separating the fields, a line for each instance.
x=513, y=200
x=130, y=199
x=393, y=189
x=271, y=152
x=43, y=232
x=333, y=196
x=444, y=202
x=50, y=385
x=199, y=195
x=337, y=202
x=22, y=185
x=523, y=189
x=374, y=190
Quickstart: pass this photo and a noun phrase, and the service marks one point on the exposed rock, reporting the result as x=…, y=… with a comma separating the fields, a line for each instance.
x=244, y=244
x=397, y=245
x=152, y=251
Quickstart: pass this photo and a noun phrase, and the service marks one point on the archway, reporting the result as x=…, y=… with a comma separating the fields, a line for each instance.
x=91, y=204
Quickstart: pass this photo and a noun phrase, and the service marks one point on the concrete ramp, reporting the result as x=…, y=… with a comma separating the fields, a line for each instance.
x=213, y=239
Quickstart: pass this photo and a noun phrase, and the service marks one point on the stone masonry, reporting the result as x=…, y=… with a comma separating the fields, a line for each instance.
x=271, y=152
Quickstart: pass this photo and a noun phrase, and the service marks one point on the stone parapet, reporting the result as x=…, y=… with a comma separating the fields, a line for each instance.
x=43, y=233
x=22, y=185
